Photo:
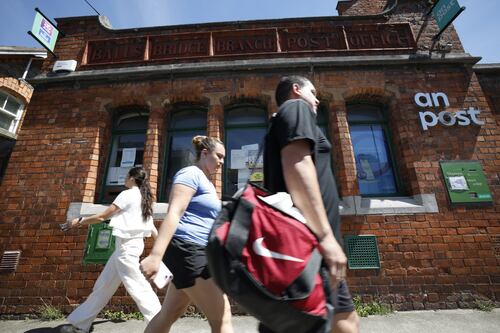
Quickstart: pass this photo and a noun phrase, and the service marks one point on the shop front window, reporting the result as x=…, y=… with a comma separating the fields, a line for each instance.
x=10, y=112
x=372, y=150
x=183, y=126
x=245, y=128
x=127, y=150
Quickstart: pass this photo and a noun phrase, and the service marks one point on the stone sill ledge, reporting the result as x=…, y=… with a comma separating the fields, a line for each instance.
x=417, y=204
x=354, y=205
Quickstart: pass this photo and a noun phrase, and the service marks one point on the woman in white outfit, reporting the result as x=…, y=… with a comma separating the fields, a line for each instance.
x=131, y=219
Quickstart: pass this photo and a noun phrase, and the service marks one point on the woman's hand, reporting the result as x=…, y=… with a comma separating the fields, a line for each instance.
x=70, y=224
x=150, y=266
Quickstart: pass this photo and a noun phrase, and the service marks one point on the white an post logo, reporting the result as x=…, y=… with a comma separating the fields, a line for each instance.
x=435, y=100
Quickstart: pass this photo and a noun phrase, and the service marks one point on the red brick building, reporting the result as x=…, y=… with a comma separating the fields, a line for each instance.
x=16, y=65
x=398, y=107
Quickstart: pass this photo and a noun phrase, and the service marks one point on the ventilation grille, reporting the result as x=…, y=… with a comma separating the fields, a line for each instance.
x=495, y=243
x=10, y=259
x=362, y=252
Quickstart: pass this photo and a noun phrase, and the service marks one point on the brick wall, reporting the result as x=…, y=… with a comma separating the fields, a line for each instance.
x=490, y=83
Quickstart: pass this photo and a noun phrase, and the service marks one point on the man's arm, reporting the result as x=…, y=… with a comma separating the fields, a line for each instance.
x=302, y=183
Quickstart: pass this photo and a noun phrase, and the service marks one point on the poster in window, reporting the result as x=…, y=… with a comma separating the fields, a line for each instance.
x=367, y=170
x=117, y=175
x=253, y=152
x=239, y=158
x=128, y=157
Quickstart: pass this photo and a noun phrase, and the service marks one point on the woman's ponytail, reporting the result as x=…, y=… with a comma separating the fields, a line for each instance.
x=141, y=180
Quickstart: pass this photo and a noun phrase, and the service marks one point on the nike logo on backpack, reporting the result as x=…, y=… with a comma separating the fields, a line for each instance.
x=260, y=250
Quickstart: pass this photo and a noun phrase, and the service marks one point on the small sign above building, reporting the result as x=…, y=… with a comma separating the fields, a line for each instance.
x=445, y=12
x=44, y=31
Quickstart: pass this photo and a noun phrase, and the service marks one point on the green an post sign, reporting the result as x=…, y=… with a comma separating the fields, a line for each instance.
x=445, y=12
x=466, y=182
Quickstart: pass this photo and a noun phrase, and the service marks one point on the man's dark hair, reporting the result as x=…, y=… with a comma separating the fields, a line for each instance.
x=285, y=85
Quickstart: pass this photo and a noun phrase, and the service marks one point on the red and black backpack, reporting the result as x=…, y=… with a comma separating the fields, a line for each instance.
x=268, y=262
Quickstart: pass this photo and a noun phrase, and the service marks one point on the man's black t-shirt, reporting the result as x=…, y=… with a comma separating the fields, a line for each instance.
x=296, y=121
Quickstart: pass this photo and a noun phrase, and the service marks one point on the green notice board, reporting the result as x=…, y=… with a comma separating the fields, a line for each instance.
x=466, y=182
x=100, y=244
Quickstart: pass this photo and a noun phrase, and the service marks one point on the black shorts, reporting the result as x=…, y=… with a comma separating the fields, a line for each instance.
x=187, y=262
x=342, y=303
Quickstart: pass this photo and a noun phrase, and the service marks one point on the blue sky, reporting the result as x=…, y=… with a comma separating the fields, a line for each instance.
x=478, y=26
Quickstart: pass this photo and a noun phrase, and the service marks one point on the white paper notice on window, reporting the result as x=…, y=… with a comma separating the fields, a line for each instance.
x=128, y=157
x=367, y=168
x=116, y=176
x=238, y=158
x=458, y=183
x=254, y=146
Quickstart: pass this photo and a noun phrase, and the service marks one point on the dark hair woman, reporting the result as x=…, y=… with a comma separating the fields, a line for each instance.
x=131, y=218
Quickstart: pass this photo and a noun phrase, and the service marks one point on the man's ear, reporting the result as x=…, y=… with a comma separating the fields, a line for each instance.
x=295, y=93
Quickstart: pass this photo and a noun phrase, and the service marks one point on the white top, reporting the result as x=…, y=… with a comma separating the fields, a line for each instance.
x=128, y=222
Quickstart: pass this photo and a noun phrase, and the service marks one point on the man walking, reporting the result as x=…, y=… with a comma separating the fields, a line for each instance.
x=297, y=160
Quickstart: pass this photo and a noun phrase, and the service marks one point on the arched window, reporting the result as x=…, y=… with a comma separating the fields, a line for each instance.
x=11, y=111
x=245, y=128
x=127, y=149
x=375, y=165
x=184, y=124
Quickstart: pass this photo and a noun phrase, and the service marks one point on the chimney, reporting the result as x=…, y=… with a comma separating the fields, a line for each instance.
x=343, y=5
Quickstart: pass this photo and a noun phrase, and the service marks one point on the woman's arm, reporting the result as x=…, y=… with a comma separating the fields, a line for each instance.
x=180, y=197
x=97, y=218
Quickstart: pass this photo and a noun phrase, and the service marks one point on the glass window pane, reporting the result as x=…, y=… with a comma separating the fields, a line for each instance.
x=322, y=116
x=188, y=119
x=119, y=165
x=242, y=145
x=246, y=116
x=131, y=122
x=364, y=112
x=6, y=147
x=180, y=154
x=5, y=121
x=3, y=98
x=373, y=163
x=12, y=106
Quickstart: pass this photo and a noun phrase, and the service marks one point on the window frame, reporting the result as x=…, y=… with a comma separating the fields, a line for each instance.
x=227, y=127
x=16, y=118
x=384, y=123
x=162, y=197
x=115, y=134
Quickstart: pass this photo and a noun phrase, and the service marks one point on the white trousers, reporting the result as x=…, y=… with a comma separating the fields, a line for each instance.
x=122, y=266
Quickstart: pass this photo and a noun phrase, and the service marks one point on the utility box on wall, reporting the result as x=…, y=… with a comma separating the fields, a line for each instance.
x=100, y=244
x=466, y=182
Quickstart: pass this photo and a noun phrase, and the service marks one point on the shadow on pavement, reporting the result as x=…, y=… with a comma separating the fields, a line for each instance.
x=57, y=328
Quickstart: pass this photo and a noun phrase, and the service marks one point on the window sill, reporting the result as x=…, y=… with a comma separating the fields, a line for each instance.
x=354, y=205
x=6, y=134
x=417, y=204
x=77, y=209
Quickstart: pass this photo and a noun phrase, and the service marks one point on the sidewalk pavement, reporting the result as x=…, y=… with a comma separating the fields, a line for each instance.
x=442, y=321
